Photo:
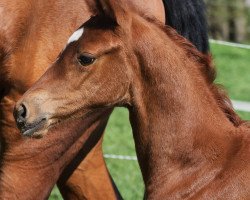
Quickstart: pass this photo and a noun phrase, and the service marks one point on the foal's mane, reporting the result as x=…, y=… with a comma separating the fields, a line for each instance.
x=206, y=67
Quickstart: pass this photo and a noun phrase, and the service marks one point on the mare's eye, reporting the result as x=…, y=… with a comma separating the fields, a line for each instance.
x=86, y=59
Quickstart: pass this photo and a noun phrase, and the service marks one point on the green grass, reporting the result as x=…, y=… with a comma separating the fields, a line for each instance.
x=233, y=69
x=244, y=115
x=55, y=195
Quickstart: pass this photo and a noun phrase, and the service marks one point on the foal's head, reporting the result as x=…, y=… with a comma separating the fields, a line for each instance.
x=92, y=72
x=105, y=63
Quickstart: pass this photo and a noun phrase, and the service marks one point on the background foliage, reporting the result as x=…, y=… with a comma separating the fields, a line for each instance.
x=229, y=19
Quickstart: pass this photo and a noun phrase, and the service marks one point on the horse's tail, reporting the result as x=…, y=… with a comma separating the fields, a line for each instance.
x=188, y=17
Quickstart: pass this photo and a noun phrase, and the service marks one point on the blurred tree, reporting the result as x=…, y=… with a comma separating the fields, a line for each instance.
x=228, y=19
x=237, y=20
x=217, y=17
x=248, y=20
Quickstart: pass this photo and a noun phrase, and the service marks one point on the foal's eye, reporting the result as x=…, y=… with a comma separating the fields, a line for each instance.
x=86, y=59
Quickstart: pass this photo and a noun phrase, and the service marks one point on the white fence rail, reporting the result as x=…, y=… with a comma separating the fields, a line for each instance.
x=231, y=44
x=120, y=157
x=241, y=106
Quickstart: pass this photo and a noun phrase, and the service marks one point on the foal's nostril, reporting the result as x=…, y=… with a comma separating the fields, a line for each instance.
x=20, y=114
x=22, y=111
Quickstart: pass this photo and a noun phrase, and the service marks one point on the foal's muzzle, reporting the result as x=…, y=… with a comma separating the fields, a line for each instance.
x=25, y=125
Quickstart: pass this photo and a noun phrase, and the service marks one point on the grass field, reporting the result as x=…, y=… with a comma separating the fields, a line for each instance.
x=233, y=69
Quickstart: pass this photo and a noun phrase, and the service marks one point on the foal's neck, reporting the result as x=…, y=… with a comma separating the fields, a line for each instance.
x=179, y=129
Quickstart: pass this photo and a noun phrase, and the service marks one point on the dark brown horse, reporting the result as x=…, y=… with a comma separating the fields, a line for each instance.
x=32, y=33
x=190, y=144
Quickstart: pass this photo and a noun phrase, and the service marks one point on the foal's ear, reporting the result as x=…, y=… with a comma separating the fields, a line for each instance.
x=117, y=10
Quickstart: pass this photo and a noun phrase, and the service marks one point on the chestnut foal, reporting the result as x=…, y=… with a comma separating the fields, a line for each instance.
x=189, y=142
x=32, y=33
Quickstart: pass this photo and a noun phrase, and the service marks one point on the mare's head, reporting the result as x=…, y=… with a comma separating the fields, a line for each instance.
x=92, y=72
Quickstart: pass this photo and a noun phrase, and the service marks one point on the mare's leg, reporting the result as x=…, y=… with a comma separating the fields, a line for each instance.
x=91, y=174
